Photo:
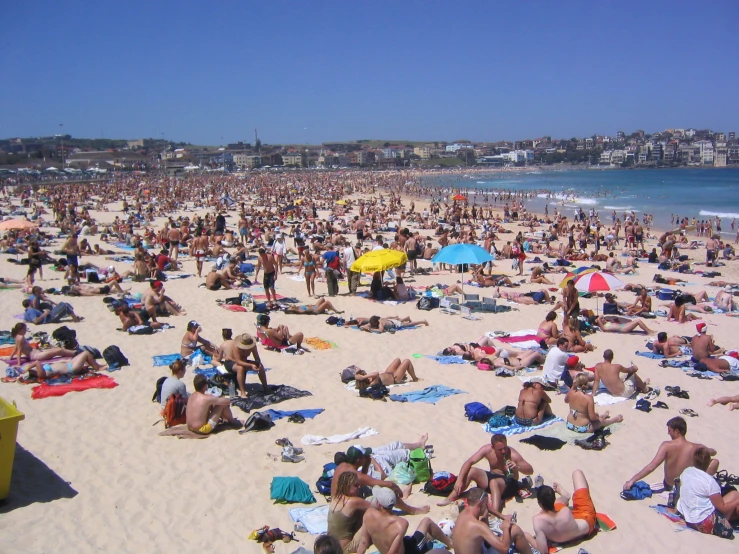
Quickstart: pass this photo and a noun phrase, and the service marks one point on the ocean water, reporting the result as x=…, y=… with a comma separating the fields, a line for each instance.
x=700, y=193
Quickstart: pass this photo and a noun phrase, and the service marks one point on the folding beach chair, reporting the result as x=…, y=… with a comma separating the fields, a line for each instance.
x=446, y=306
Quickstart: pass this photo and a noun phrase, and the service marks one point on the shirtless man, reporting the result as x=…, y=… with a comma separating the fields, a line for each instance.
x=157, y=303
x=216, y=281
x=571, y=302
x=358, y=460
x=703, y=346
x=668, y=347
x=610, y=374
x=643, y=304
x=235, y=356
x=388, y=532
x=174, y=236
x=506, y=466
x=131, y=318
x=267, y=261
x=199, y=249
x=533, y=404
x=204, y=411
x=676, y=455
x=557, y=522
x=679, y=314
x=412, y=253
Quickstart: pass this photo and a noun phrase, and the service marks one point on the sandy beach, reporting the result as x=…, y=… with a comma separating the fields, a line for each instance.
x=93, y=475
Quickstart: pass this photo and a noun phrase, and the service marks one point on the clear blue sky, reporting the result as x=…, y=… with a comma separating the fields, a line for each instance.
x=210, y=72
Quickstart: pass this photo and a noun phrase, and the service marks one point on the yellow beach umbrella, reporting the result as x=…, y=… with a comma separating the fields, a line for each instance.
x=379, y=260
x=341, y=202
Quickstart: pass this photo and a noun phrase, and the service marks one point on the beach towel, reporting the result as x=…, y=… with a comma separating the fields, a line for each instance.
x=259, y=399
x=320, y=344
x=234, y=308
x=516, y=429
x=315, y=520
x=516, y=339
x=448, y=360
x=78, y=383
x=352, y=386
x=561, y=432
x=171, y=276
x=673, y=516
x=544, y=443
x=165, y=359
x=607, y=399
x=6, y=351
x=279, y=414
x=639, y=491
x=182, y=432
x=650, y=355
x=362, y=432
x=290, y=489
x=430, y=395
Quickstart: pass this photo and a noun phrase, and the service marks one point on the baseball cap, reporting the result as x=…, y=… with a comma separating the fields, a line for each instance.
x=572, y=361
x=356, y=452
x=385, y=496
x=701, y=327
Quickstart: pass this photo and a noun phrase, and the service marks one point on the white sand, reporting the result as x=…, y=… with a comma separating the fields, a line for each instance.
x=138, y=492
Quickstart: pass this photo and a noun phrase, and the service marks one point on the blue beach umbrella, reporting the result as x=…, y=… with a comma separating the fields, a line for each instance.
x=460, y=254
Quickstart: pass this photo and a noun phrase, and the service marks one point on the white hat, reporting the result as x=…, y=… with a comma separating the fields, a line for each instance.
x=385, y=496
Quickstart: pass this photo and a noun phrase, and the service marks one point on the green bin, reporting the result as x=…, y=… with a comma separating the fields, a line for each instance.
x=9, y=418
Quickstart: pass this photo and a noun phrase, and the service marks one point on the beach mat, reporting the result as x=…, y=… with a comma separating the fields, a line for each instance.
x=516, y=429
x=429, y=395
x=259, y=399
x=48, y=389
x=182, y=432
x=561, y=432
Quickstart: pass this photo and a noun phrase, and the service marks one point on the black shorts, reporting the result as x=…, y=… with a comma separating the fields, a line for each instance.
x=416, y=543
x=215, y=286
x=72, y=260
x=269, y=280
x=511, y=485
x=229, y=365
x=105, y=289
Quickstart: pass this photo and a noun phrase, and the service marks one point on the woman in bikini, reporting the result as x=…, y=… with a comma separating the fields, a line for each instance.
x=511, y=361
x=617, y=324
x=393, y=375
x=573, y=334
x=320, y=307
x=478, y=350
x=192, y=339
x=548, y=331
x=309, y=266
x=81, y=363
x=390, y=324
x=582, y=417
x=24, y=348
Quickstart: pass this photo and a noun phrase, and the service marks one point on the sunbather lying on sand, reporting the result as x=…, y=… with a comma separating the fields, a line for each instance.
x=377, y=324
x=81, y=363
x=617, y=324
x=320, y=307
x=394, y=374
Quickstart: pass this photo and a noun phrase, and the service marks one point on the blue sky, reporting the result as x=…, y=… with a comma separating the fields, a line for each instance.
x=210, y=72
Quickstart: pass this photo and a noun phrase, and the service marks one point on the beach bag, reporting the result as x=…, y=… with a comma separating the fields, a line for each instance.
x=65, y=337
x=141, y=330
x=158, y=390
x=174, y=410
x=402, y=474
x=425, y=303
x=477, y=411
x=114, y=357
x=347, y=374
x=420, y=464
x=441, y=484
x=324, y=481
x=375, y=392
x=258, y=421
x=332, y=320
x=94, y=351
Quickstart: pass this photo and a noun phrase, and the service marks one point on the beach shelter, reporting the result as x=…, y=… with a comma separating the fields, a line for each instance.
x=598, y=281
x=17, y=225
x=461, y=254
x=379, y=260
x=459, y=198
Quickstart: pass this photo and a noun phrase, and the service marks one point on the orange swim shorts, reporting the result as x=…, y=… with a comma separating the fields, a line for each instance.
x=582, y=508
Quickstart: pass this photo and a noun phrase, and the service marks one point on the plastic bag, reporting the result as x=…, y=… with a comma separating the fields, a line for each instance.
x=402, y=474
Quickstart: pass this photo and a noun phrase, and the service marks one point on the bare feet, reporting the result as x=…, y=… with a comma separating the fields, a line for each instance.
x=420, y=510
x=712, y=402
x=618, y=419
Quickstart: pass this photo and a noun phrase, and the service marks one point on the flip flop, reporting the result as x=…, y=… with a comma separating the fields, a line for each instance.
x=688, y=412
x=672, y=390
x=661, y=404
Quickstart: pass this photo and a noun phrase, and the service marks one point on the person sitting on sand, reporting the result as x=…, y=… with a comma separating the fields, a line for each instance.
x=704, y=349
x=24, y=348
x=278, y=337
x=732, y=401
x=676, y=455
x=669, y=347
x=81, y=363
x=583, y=417
x=472, y=534
x=54, y=315
x=390, y=324
x=394, y=374
x=618, y=324
x=357, y=461
x=548, y=332
x=701, y=502
x=643, y=304
x=131, y=319
x=559, y=523
x=384, y=458
x=192, y=340
x=492, y=280
x=502, y=480
x=676, y=311
x=157, y=303
x=174, y=384
x=572, y=333
x=320, y=307
x=204, y=412
x=346, y=511
x=235, y=357
x=534, y=405
x=537, y=277
x=618, y=380
x=388, y=531
x=215, y=280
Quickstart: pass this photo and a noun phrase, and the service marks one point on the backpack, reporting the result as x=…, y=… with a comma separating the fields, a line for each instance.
x=158, y=391
x=94, y=351
x=66, y=337
x=258, y=421
x=375, y=392
x=420, y=464
x=174, y=410
x=477, y=411
x=141, y=330
x=114, y=357
x=425, y=303
x=332, y=320
x=441, y=484
x=324, y=481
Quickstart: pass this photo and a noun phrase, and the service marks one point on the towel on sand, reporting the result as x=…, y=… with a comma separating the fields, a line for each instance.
x=309, y=413
x=165, y=359
x=448, y=360
x=561, y=432
x=650, y=355
x=352, y=386
x=544, y=443
x=430, y=395
x=259, y=399
x=83, y=382
x=606, y=399
x=335, y=439
x=315, y=520
x=516, y=429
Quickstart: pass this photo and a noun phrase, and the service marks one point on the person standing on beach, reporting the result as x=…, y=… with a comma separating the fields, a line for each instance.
x=267, y=261
x=571, y=302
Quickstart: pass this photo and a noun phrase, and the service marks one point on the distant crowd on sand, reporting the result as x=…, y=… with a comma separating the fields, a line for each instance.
x=281, y=233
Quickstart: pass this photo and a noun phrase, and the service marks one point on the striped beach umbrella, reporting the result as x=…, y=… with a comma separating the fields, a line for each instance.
x=597, y=281
x=574, y=274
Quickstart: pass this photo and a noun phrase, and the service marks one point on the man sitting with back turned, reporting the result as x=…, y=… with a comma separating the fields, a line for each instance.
x=204, y=411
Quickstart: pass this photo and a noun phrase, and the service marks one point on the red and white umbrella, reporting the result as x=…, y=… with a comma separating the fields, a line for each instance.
x=597, y=281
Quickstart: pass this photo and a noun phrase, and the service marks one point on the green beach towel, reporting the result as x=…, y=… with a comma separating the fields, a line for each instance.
x=286, y=490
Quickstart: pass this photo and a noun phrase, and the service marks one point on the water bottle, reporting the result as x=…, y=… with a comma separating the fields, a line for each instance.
x=231, y=388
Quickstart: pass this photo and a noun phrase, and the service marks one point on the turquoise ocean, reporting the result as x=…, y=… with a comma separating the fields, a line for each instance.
x=700, y=193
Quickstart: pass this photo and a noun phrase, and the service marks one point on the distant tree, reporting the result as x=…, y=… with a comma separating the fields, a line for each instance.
x=386, y=145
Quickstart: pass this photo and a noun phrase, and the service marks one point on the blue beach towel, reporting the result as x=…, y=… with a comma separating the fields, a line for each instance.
x=290, y=489
x=279, y=414
x=430, y=395
x=516, y=429
x=315, y=520
x=650, y=355
x=165, y=359
x=448, y=360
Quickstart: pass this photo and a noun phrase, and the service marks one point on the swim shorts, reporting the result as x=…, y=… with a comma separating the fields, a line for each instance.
x=523, y=422
x=105, y=289
x=733, y=363
x=582, y=508
x=715, y=524
x=511, y=485
x=229, y=365
x=269, y=280
x=416, y=543
x=205, y=429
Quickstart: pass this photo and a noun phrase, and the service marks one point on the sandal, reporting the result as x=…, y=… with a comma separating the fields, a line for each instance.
x=661, y=404
x=688, y=412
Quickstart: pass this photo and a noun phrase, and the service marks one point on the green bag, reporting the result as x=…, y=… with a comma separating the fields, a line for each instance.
x=402, y=474
x=420, y=464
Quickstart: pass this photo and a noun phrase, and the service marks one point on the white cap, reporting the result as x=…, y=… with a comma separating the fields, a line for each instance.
x=385, y=496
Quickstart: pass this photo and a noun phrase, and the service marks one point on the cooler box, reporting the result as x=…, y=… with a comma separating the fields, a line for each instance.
x=9, y=418
x=665, y=294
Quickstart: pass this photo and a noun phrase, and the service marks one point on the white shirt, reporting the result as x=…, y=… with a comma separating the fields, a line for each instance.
x=554, y=364
x=695, y=488
x=349, y=257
